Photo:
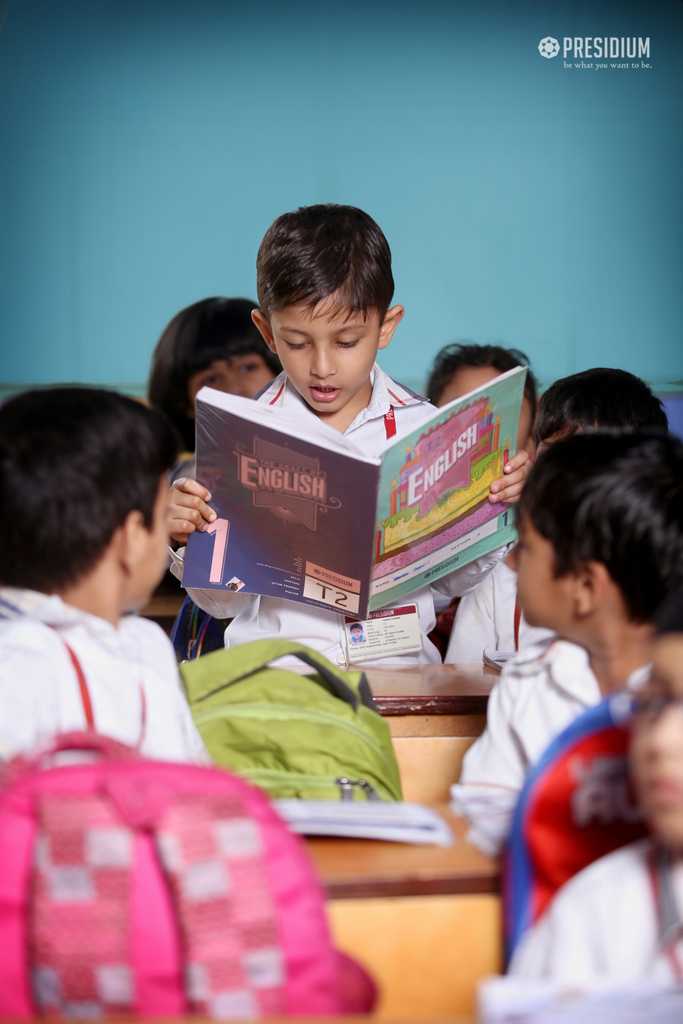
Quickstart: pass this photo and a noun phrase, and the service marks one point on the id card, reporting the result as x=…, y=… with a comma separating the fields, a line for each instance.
x=390, y=631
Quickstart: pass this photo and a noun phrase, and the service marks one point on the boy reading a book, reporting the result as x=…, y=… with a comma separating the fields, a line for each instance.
x=621, y=919
x=601, y=546
x=325, y=288
x=83, y=542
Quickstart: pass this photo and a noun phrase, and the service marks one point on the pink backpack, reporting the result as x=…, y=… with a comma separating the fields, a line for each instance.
x=130, y=886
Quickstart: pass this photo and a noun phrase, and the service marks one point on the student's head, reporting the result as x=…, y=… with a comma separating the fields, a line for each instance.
x=600, y=522
x=462, y=367
x=356, y=629
x=595, y=399
x=212, y=343
x=325, y=286
x=657, y=737
x=83, y=477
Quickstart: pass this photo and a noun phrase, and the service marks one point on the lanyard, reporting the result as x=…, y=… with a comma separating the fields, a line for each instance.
x=87, y=702
x=670, y=924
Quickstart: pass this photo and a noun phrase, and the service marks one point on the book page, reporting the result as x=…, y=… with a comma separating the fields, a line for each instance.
x=295, y=507
x=433, y=512
x=394, y=821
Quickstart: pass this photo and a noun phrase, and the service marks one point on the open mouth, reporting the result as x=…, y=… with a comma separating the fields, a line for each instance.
x=324, y=393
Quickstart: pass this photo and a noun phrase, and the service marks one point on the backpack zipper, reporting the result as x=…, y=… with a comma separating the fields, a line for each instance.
x=342, y=783
x=346, y=788
x=284, y=712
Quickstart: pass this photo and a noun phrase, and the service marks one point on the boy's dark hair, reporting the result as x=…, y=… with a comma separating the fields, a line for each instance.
x=73, y=463
x=465, y=354
x=594, y=399
x=318, y=251
x=669, y=617
x=216, y=328
x=616, y=498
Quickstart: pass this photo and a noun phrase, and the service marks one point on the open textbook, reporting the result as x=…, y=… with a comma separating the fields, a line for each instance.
x=304, y=515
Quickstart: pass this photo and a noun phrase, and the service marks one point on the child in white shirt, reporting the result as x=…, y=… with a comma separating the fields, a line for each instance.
x=601, y=545
x=325, y=287
x=83, y=538
x=490, y=616
x=621, y=919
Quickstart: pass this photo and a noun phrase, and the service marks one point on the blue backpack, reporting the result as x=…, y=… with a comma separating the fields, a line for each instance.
x=575, y=807
x=196, y=632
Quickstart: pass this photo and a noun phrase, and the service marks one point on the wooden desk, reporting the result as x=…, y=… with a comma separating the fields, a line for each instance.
x=424, y=920
x=361, y=868
x=431, y=689
x=435, y=712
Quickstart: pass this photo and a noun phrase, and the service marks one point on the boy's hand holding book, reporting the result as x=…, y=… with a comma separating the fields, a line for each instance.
x=509, y=487
x=187, y=509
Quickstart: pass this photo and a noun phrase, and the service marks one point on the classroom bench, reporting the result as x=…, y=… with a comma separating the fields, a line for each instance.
x=435, y=712
x=424, y=920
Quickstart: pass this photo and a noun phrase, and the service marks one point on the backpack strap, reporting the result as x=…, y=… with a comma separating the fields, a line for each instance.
x=220, y=669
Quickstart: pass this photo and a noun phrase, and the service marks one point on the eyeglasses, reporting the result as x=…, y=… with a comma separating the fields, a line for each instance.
x=651, y=706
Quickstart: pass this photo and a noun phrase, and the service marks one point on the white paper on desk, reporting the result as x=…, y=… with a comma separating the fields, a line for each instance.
x=396, y=822
x=508, y=1000
x=496, y=659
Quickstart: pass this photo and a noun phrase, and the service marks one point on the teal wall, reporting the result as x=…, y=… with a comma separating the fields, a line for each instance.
x=146, y=145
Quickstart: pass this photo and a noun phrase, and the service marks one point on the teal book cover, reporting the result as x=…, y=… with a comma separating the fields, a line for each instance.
x=433, y=510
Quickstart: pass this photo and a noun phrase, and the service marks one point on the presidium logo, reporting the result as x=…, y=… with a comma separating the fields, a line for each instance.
x=548, y=47
x=597, y=47
x=291, y=485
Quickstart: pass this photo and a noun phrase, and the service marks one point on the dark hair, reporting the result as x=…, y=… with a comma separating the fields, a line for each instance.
x=594, y=399
x=73, y=463
x=216, y=328
x=318, y=251
x=669, y=617
x=464, y=354
x=616, y=498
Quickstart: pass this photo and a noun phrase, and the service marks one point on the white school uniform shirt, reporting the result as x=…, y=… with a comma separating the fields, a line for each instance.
x=486, y=618
x=606, y=925
x=259, y=618
x=39, y=691
x=539, y=693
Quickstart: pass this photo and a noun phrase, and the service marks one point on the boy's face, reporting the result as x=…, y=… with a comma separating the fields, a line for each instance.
x=151, y=553
x=657, y=743
x=546, y=600
x=328, y=355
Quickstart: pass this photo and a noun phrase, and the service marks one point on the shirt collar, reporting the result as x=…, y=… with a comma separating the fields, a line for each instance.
x=385, y=393
x=569, y=667
x=16, y=602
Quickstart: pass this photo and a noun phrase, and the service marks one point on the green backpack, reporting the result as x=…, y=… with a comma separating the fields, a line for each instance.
x=317, y=736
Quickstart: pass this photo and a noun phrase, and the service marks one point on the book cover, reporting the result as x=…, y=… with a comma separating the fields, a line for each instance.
x=295, y=516
x=433, y=512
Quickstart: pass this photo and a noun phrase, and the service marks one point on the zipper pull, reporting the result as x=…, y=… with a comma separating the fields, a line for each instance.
x=345, y=787
x=369, y=790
